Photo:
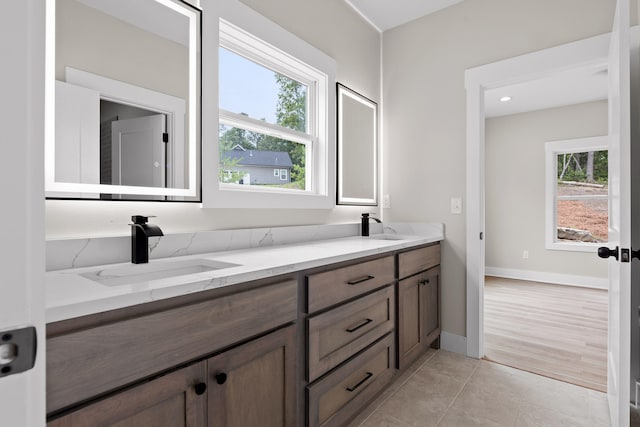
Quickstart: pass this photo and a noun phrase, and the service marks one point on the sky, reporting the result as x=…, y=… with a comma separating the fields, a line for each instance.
x=246, y=87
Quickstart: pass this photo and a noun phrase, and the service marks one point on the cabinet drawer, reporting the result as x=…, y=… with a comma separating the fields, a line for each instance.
x=417, y=260
x=83, y=364
x=338, y=397
x=331, y=287
x=340, y=333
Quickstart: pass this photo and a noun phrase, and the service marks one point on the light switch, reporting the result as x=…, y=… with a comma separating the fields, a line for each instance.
x=456, y=205
x=386, y=201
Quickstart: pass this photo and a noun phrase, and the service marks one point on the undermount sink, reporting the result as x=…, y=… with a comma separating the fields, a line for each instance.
x=136, y=273
x=386, y=237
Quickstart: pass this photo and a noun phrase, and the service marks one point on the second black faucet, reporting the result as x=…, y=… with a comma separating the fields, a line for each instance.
x=365, y=223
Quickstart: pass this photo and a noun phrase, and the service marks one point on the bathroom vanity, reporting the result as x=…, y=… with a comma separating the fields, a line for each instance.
x=309, y=346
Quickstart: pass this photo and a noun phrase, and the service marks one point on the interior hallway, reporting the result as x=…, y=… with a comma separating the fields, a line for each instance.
x=552, y=330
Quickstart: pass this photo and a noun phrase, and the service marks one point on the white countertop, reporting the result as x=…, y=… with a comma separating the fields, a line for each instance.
x=71, y=295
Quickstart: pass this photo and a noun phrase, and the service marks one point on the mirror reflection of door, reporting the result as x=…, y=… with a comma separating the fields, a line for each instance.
x=138, y=157
x=133, y=150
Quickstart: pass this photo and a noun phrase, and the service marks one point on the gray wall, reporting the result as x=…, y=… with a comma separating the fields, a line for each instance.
x=335, y=29
x=515, y=187
x=424, y=107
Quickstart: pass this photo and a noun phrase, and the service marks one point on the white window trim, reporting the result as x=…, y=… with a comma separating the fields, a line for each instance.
x=276, y=172
x=284, y=176
x=552, y=149
x=322, y=170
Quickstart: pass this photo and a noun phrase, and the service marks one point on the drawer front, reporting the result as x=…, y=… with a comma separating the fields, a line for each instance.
x=415, y=261
x=337, y=398
x=83, y=364
x=331, y=287
x=340, y=333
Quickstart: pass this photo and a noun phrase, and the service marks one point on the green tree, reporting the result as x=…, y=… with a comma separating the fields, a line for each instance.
x=290, y=113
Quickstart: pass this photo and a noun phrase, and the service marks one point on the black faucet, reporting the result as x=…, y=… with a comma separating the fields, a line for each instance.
x=140, y=233
x=365, y=223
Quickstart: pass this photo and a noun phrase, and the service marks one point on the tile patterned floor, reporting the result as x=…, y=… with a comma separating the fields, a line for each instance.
x=448, y=389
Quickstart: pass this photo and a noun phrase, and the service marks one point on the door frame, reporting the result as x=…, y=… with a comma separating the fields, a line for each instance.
x=22, y=256
x=591, y=52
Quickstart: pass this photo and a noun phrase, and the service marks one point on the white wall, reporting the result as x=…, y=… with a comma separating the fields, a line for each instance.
x=329, y=25
x=515, y=188
x=424, y=105
x=93, y=41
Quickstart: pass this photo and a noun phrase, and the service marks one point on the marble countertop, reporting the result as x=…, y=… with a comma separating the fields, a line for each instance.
x=70, y=294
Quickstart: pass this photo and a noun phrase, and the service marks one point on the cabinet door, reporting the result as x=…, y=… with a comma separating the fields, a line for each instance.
x=430, y=287
x=254, y=384
x=174, y=400
x=418, y=315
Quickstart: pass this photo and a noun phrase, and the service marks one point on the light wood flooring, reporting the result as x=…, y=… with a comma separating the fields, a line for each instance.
x=551, y=330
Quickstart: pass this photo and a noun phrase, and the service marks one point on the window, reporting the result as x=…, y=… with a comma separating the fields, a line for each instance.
x=270, y=115
x=577, y=190
x=258, y=132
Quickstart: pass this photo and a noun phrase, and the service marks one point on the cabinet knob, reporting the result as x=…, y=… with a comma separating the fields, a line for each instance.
x=200, y=388
x=221, y=378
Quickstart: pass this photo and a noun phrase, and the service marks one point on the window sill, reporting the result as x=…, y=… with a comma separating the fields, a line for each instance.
x=574, y=247
x=225, y=196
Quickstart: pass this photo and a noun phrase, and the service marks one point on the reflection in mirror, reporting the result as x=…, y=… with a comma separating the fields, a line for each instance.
x=357, y=148
x=127, y=105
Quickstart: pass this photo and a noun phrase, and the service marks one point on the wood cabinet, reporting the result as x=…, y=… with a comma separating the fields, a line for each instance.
x=177, y=399
x=418, y=315
x=126, y=369
x=315, y=347
x=254, y=384
x=250, y=385
x=338, y=397
x=351, y=344
x=338, y=285
x=338, y=334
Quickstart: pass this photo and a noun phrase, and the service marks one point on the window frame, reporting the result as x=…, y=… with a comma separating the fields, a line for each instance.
x=283, y=172
x=233, y=23
x=552, y=150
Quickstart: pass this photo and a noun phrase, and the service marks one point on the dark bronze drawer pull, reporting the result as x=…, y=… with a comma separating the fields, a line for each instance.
x=365, y=322
x=362, y=381
x=360, y=280
x=424, y=282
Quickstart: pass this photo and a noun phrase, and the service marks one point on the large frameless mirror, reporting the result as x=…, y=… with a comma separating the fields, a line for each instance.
x=125, y=80
x=357, y=148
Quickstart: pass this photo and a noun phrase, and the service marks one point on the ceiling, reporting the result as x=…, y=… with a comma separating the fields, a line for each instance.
x=386, y=14
x=567, y=88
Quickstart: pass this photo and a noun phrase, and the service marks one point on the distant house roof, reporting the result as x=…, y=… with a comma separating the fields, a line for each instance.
x=250, y=157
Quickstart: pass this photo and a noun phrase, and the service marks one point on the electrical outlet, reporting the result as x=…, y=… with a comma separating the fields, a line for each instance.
x=525, y=254
x=386, y=201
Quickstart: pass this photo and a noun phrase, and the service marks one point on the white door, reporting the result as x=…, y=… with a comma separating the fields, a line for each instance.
x=138, y=151
x=619, y=349
x=22, y=395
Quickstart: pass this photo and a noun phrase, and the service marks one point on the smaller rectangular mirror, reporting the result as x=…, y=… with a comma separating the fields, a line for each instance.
x=357, y=149
x=125, y=80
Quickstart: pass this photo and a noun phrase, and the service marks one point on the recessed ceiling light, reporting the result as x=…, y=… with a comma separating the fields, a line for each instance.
x=505, y=99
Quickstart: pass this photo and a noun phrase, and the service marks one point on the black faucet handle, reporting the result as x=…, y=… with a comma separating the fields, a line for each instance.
x=365, y=215
x=141, y=219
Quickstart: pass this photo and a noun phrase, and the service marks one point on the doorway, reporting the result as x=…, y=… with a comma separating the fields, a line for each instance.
x=544, y=223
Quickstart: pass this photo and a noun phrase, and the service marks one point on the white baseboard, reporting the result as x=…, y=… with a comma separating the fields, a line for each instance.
x=454, y=343
x=555, y=278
